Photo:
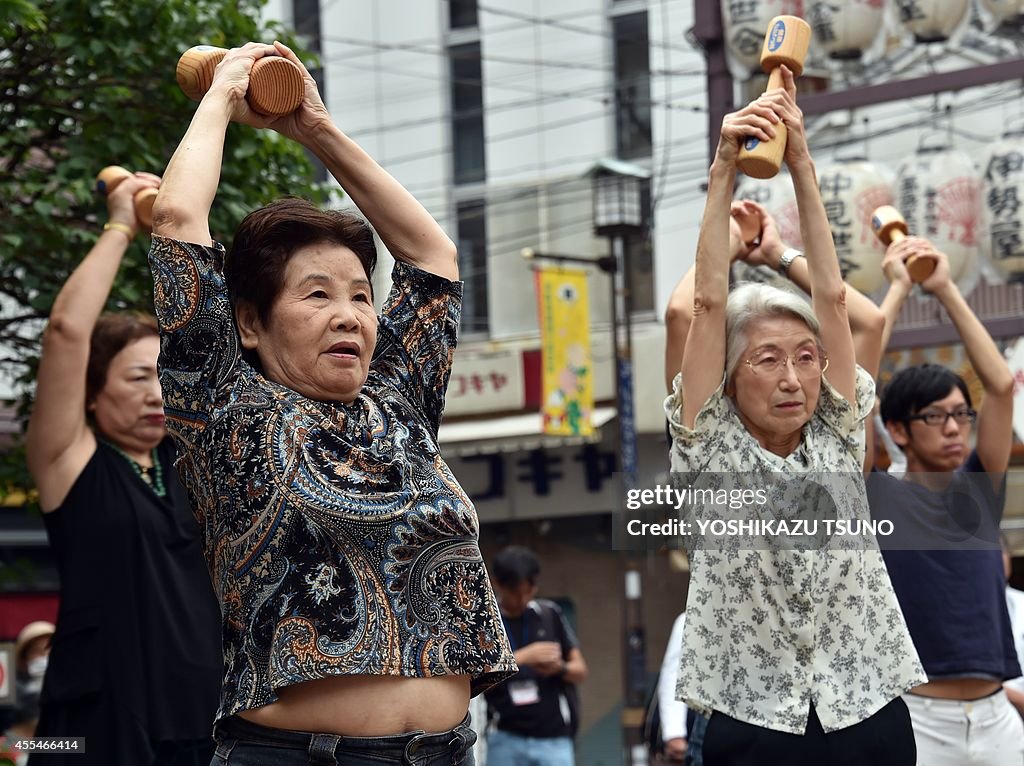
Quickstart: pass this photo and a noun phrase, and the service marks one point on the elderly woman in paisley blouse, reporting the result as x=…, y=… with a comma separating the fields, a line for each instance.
x=358, y=618
x=798, y=652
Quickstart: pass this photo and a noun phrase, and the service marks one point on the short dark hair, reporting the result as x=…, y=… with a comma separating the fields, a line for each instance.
x=267, y=239
x=110, y=335
x=515, y=564
x=914, y=388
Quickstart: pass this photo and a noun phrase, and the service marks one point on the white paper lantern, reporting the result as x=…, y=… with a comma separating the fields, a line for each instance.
x=850, y=191
x=931, y=21
x=744, y=24
x=938, y=192
x=1005, y=11
x=776, y=196
x=1002, y=201
x=845, y=28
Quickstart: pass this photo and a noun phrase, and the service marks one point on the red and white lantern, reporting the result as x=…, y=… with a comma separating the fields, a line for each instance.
x=1002, y=203
x=931, y=21
x=850, y=191
x=744, y=23
x=938, y=192
x=844, y=30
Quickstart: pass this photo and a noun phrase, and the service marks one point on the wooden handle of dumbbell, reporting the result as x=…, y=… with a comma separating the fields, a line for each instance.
x=786, y=42
x=890, y=226
x=111, y=176
x=276, y=86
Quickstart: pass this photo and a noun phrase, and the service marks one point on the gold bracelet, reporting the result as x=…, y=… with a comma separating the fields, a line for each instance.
x=121, y=227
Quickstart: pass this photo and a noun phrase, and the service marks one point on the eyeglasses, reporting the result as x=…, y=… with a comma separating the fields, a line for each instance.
x=939, y=418
x=770, y=362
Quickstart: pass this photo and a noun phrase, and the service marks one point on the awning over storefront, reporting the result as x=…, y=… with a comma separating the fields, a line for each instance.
x=512, y=433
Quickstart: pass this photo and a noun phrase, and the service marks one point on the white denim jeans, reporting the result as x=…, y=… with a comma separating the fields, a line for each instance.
x=985, y=732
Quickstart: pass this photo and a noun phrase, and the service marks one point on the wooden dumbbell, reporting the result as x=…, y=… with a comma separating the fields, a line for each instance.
x=890, y=227
x=276, y=87
x=108, y=179
x=786, y=43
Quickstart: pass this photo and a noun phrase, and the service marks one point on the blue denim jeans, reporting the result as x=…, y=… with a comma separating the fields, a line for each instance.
x=695, y=741
x=505, y=749
x=242, y=743
x=183, y=752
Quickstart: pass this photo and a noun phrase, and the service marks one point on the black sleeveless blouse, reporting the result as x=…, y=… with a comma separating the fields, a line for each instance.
x=136, y=658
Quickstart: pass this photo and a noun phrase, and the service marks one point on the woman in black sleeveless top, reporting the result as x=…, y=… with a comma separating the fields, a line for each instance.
x=135, y=663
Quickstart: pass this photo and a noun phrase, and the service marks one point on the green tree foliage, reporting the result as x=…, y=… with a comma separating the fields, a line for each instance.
x=90, y=83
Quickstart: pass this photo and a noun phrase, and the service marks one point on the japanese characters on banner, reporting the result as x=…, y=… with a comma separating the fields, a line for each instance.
x=850, y=192
x=1002, y=197
x=486, y=382
x=931, y=21
x=846, y=28
x=938, y=192
x=567, y=370
x=744, y=23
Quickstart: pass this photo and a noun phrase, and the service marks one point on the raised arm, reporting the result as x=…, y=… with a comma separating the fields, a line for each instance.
x=182, y=208
x=866, y=319
x=703, y=363
x=900, y=284
x=60, y=442
x=828, y=292
x=679, y=312
x=403, y=224
x=995, y=416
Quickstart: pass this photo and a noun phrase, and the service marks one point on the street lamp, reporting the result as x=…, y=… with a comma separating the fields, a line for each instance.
x=619, y=215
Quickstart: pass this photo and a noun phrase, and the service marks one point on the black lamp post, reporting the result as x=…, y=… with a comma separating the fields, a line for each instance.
x=619, y=215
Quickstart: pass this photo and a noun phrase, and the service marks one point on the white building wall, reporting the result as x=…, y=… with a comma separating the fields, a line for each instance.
x=679, y=127
x=548, y=76
x=548, y=94
x=386, y=77
x=549, y=116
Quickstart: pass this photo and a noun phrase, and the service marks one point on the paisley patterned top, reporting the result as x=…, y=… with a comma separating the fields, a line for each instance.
x=772, y=629
x=338, y=540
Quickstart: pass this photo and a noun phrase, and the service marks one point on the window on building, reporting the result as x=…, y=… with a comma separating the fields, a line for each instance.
x=462, y=14
x=467, y=113
x=307, y=25
x=639, y=255
x=632, y=86
x=472, y=244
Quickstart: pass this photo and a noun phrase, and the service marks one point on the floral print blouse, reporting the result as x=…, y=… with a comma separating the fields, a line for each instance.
x=338, y=540
x=773, y=629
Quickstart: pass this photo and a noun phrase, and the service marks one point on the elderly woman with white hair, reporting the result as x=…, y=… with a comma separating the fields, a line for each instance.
x=798, y=653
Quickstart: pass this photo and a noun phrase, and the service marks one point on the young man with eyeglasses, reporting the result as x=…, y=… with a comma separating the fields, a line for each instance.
x=946, y=567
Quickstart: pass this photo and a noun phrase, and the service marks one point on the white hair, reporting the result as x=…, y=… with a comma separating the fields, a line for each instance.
x=751, y=301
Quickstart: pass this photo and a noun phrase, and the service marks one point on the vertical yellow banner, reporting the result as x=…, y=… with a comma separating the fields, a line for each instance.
x=567, y=379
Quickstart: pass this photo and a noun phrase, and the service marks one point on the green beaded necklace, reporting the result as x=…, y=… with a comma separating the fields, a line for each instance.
x=154, y=481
